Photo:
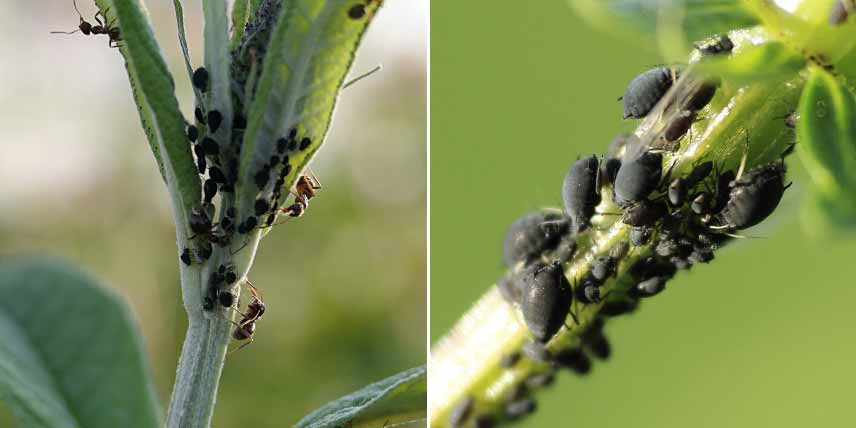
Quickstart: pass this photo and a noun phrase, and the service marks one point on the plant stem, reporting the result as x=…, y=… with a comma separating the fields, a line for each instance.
x=466, y=363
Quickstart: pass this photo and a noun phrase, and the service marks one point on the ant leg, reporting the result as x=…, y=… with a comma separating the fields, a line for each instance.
x=98, y=20
x=315, y=183
x=240, y=347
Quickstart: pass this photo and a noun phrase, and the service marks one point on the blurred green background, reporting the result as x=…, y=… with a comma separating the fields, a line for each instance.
x=345, y=285
x=763, y=336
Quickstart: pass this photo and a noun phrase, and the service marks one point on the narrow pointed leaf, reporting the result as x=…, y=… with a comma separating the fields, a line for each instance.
x=217, y=60
x=182, y=40
x=239, y=20
x=827, y=144
x=397, y=401
x=154, y=93
x=309, y=54
x=70, y=353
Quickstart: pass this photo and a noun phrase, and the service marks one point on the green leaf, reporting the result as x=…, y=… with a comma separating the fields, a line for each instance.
x=399, y=400
x=642, y=20
x=217, y=61
x=154, y=93
x=769, y=61
x=309, y=54
x=70, y=353
x=239, y=20
x=827, y=144
x=182, y=40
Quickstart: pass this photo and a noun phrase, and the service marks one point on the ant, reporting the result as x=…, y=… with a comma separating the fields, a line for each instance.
x=87, y=28
x=304, y=191
x=247, y=326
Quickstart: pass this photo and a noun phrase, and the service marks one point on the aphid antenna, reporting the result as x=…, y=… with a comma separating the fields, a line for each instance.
x=362, y=76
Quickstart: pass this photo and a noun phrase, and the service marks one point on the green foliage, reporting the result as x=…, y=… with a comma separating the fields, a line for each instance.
x=827, y=144
x=686, y=20
x=309, y=54
x=154, y=93
x=71, y=354
x=239, y=21
x=398, y=400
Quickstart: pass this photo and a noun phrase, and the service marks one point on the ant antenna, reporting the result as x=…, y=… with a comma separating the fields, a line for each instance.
x=362, y=76
x=78, y=14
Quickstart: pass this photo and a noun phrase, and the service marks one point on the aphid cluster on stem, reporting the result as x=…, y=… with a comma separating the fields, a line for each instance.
x=675, y=215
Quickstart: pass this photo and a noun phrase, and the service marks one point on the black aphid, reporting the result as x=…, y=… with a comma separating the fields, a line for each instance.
x=719, y=44
x=610, y=169
x=509, y=360
x=485, y=421
x=197, y=112
x=357, y=11
x=701, y=255
x=261, y=206
x=595, y=340
x=545, y=301
x=640, y=235
x=680, y=263
x=210, y=147
x=701, y=203
x=248, y=225
x=574, y=359
x=540, y=380
x=305, y=143
x=603, y=267
x=200, y=223
x=531, y=235
x=699, y=173
x=200, y=79
x=209, y=190
x=239, y=121
x=666, y=247
x=636, y=179
x=679, y=126
x=644, y=214
x=207, y=303
x=461, y=411
x=192, y=133
x=204, y=251
x=281, y=145
x=588, y=291
x=226, y=299
x=262, y=177
x=644, y=91
x=614, y=308
x=217, y=175
x=215, y=119
x=519, y=408
x=677, y=192
x=201, y=163
x=839, y=12
x=186, y=257
x=753, y=196
x=649, y=287
x=702, y=96
x=580, y=191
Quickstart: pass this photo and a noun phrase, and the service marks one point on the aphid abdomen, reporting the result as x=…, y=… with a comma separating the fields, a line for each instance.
x=580, y=192
x=545, y=301
x=644, y=91
x=531, y=235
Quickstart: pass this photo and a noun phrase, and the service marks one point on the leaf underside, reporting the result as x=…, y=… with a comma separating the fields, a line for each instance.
x=399, y=400
x=70, y=354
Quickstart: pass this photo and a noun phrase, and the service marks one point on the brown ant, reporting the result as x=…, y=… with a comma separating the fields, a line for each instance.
x=86, y=28
x=245, y=328
x=304, y=190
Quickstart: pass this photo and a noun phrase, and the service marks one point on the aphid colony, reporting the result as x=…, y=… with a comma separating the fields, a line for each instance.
x=216, y=144
x=674, y=221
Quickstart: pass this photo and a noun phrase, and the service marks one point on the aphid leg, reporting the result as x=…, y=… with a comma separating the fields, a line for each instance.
x=743, y=159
